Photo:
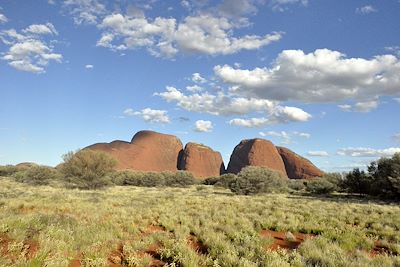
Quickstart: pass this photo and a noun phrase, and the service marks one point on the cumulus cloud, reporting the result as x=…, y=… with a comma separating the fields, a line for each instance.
x=393, y=49
x=85, y=11
x=366, y=10
x=39, y=29
x=3, y=18
x=203, y=126
x=319, y=77
x=360, y=106
x=318, y=153
x=194, y=88
x=89, y=66
x=282, y=5
x=29, y=50
x=237, y=8
x=368, y=152
x=226, y=105
x=215, y=104
x=196, y=77
x=203, y=33
x=286, y=138
x=149, y=115
x=278, y=115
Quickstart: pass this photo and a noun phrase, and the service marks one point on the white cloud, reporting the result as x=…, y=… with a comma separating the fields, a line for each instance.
x=85, y=11
x=203, y=126
x=28, y=50
x=318, y=77
x=286, y=138
x=196, y=77
x=394, y=49
x=278, y=115
x=204, y=34
x=368, y=152
x=3, y=18
x=237, y=8
x=149, y=115
x=89, y=66
x=397, y=99
x=360, y=106
x=194, y=88
x=47, y=28
x=281, y=5
x=219, y=104
x=366, y=10
x=318, y=153
x=396, y=137
x=226, y=105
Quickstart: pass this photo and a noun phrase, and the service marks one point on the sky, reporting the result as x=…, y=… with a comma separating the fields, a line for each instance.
x=319, y=77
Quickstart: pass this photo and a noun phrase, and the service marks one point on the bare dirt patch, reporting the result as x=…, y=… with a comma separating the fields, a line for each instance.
x=281, y=240
x=197, y=245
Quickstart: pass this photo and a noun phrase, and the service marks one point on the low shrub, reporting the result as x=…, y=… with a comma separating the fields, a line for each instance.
x=221, y=181
x=253, y=180
x=8, y=170
x=37, y=175
x=297, y=185
x=153, y=179
x=179, y=179
x=320, y=186
x=87, y=169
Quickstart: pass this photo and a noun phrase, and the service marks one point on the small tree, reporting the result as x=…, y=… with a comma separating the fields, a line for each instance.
x=253, y=180
x=37, y=175
x=320, y=186
x=88, y=169
x=357, y=182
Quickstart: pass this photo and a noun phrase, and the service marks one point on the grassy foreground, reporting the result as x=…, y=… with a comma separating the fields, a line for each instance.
x=196, y=226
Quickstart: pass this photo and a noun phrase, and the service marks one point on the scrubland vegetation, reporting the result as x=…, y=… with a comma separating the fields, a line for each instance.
x=131, y=218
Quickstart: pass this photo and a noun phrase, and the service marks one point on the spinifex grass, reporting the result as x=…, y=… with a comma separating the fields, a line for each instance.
x=133, y=226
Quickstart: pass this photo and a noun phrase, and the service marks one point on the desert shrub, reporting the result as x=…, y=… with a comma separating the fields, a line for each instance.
x=87, y=169
x=222, y=181
x=211, y=180
x=179, y=179
x=297, y=185
x=153, y=179
x=253, y=180
x=320, y=186
x=37, y=175
x=8, y=170
x=358, y=181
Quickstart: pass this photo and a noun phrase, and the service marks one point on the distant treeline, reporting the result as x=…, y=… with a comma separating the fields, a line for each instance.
x=87, y=169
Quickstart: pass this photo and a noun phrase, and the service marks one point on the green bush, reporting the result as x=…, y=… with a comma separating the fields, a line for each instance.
x=87, y=169
x=221, y=181
x=179, y=179
x=320, y=186
x=253, y=180
x=37, y=175
x=8, y=170
x=297, y=185
x=153, y=179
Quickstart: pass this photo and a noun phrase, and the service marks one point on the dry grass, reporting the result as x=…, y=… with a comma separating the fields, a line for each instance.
x=197, y=226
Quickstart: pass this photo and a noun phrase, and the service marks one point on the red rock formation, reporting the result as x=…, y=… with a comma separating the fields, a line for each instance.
x=148, y=151
x=25, y=165
x=255, y=152
x=201, y=161
x=298, y=167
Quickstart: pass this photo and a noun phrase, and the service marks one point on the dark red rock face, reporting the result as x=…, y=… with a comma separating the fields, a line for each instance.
x=201, y=161
x=148, y=151
x=298, y=167
x=255, y=152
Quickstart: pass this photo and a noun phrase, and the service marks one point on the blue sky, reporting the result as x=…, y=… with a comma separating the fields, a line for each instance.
x=319, y=77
